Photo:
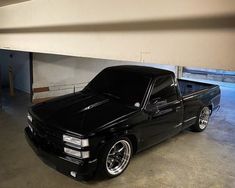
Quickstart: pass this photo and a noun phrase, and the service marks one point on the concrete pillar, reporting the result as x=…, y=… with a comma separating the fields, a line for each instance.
x=0, y=87
x=179, y=71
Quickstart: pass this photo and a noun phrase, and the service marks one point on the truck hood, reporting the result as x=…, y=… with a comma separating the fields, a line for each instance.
x=80, y=113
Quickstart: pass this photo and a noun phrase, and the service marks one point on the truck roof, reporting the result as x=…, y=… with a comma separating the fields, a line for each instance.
x=142, y=70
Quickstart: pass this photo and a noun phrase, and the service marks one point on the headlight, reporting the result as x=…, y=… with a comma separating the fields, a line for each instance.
x=76, y=141
x=75, y=153
x=29, y=117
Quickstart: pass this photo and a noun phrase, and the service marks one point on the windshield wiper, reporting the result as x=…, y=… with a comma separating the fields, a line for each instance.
x=111, y=95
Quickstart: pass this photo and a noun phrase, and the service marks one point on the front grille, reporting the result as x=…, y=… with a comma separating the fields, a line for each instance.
x=49, y=139
x=43, y=129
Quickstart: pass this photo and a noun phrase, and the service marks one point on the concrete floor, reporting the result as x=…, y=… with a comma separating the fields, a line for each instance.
x=188, y=160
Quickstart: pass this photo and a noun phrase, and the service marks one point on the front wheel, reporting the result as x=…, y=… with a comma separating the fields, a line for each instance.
x=203, y=120
x=115, y=158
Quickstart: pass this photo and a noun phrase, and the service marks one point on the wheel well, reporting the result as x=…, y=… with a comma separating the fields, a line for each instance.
x=133, y=140
x=210, y=107
x=131, y=137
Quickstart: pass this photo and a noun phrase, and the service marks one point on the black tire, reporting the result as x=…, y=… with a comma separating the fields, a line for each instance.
x=199, y=126
x=103, y=170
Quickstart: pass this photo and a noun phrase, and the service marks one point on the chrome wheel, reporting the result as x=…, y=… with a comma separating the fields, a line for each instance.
x=204, y=118
x=118, y=157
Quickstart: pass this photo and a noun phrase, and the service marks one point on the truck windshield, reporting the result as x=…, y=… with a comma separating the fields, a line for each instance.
x=127, y=87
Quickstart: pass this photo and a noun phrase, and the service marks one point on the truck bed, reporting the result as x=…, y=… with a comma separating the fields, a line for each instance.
x=188, y=87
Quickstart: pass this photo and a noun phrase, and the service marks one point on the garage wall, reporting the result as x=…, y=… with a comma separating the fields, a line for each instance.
x=209, y=74
x=21, y=69
x=186, y=32
x=56, y=75
x=4, y=63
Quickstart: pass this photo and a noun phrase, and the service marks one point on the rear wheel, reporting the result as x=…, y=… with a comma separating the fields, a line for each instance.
x=203, y=120
x=115, y=158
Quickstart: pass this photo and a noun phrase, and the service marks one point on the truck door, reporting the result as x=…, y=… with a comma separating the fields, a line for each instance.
x=167, y=118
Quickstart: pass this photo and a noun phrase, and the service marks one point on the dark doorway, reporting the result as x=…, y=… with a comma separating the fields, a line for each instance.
x=16, y=76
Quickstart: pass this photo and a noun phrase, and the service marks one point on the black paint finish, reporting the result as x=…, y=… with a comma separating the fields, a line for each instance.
x=148, y=105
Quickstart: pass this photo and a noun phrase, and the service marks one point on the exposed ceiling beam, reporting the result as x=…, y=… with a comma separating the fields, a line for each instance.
x=194, y=33
x=10, y=2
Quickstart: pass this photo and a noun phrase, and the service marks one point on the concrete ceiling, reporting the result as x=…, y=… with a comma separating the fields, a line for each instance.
x=194, y=33
x=10, y=2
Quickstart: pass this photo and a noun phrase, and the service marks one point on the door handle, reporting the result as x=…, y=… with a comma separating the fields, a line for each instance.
x=157, y=112
x=162, y=112
x=178, y=108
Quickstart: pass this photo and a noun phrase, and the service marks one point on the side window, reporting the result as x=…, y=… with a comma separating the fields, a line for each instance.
x=163, y=91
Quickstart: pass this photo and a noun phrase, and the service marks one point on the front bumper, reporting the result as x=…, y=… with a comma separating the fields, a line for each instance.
x=83, y=169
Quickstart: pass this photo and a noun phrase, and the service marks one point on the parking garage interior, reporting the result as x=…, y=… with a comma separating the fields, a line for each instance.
x=42, y=58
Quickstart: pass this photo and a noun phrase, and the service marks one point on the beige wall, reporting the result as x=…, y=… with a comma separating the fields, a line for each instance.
x=185, y=32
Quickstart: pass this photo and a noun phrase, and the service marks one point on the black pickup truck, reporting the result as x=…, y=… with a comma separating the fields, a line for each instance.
x=122, y=111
